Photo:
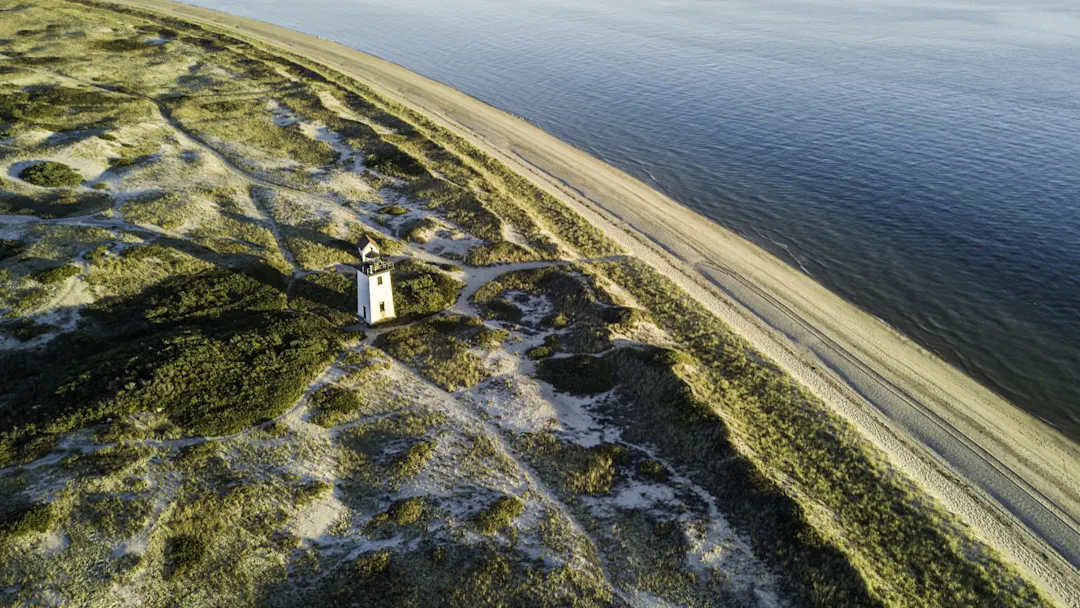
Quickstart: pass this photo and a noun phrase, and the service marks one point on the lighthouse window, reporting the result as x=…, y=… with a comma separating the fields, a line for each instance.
x=382, y=306
x=380, y=280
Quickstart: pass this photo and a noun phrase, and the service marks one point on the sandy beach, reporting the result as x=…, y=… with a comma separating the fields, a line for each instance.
x=1008, y=475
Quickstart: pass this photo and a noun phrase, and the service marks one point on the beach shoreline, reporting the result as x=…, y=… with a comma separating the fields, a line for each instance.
x=1012, y=477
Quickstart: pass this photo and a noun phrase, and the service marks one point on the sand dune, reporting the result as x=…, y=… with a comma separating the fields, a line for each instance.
x=1010, y=476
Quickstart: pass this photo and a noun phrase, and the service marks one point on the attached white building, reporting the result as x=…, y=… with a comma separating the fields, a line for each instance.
x=374, y=294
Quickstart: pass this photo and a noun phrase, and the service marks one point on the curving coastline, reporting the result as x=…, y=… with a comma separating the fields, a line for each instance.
x=1006, y=473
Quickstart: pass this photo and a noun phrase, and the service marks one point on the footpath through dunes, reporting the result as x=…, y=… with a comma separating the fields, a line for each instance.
x=1005, y=472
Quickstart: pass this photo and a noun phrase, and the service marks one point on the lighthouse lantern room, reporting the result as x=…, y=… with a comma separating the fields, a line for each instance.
x=374, y=294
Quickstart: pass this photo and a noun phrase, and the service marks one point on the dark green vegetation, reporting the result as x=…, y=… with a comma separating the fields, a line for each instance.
x=575, y=469
x=332, y=403
x=62, y=108
x=330, y=295
x=57, y=274
x=50, y=174
x=422, y=289
x=499, y=515
x=21, y=519
x=580, y=375
x=245, y=122
x=547, y=349
x=440, y=349
x=906, y=552
x=213, y=436
x=583, y=322
x=216, y=351
x=393, y=210
x=460, y=576
x=184, y=553
x=53, y=204
x=25, y=329
x=659, y=406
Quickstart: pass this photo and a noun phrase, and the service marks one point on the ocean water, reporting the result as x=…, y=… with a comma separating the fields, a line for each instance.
x=921, y=158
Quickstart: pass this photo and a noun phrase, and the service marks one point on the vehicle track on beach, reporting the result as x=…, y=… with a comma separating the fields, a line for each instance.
x=1036, y=508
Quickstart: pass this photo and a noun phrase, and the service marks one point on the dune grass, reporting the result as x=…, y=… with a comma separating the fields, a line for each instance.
x=172, y=348
x=903, y=548
x=202, y=335
x=440, y=349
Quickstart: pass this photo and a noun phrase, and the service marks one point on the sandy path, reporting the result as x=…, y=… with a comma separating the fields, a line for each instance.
x=1012, y=477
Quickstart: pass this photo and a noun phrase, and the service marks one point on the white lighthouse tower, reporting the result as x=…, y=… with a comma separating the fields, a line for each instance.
x=374, y=295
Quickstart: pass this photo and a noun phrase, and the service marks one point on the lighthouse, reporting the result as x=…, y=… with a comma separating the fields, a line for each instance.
x=374, y=295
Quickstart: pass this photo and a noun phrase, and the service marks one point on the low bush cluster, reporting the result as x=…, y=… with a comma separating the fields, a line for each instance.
x=26, y=518
x=52, y=204
x=57, y=274
x=421, y=289
x=214, y=352
x=393, y=210
x=574, y=468
x=578, y=375
x=545, y=350
x=407, y=511
x=312, y=491
x=331, y=404
x=499, y=515
x=439, y=349
x=418, y=230
x=51, y=174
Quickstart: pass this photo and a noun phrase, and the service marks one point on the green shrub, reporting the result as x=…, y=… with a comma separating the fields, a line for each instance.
x=57, y=274
x=121, y=45
x=215, y=353
x=545, y=350
x=556, y=320
x=26, y=329
x=490, y=338
x=330, y=294
x=578, y=375
x=49, y=204
x=388, y=159
x=439, y=349
x=414, y=459
x=51, y=174
x=27, y=519
x=372, y=565
x=499, y=515
x=168, y=210
x=420, y=289
x=393, y=210
x=503, y=310
x=652, y=469
x=9, y=248
x=183, y=553
x=312, y=491
x=97, y=252
x=418, y=230
x=331, y=404
x=502, y=252
x=407, y=511
x=574, y=468
x=114, y=459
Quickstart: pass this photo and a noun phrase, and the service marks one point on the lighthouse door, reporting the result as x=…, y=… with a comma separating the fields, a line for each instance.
x=365, y=313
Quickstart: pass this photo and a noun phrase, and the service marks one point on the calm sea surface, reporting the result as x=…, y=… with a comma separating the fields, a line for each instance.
x=919, y=157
